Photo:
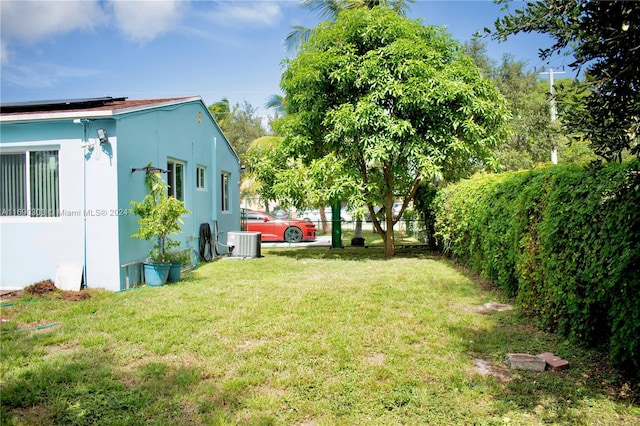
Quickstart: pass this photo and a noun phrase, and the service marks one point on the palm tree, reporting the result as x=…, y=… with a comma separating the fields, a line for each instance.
x=278, y=104
x=329, y=9
x=220, y=110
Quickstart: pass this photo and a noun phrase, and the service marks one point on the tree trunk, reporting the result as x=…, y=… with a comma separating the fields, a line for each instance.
x=389, y=237
x=326, y=228
x=358, y=239
x=358, y=230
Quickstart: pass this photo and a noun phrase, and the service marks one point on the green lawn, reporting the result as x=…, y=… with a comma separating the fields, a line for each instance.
x=298, y=337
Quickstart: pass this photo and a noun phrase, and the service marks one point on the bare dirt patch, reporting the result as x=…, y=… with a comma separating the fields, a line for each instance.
x=486, y=368
x=8, y=295
x=66, y=351
x=251, y=344
x=44, y=288
x=41, y=288
x=493, y=307
x=374, y=359
x=74, y=296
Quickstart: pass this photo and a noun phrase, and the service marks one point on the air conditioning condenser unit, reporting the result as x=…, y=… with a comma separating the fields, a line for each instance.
x=245, y=244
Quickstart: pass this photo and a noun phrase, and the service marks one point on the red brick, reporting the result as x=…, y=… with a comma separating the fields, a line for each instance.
x=554, y=362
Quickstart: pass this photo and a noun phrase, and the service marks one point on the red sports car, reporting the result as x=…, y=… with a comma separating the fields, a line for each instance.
x=274, y=229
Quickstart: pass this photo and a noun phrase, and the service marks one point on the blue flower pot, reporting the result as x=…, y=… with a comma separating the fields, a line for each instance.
x=156, y=274
x=174, y=272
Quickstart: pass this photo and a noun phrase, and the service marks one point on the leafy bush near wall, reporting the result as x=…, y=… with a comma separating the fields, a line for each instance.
x=563, y=240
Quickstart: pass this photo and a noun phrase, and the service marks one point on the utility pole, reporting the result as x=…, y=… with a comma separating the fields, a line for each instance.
x=552, y=108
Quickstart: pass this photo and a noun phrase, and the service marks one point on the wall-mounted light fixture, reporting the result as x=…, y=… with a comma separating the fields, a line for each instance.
x=102, y=135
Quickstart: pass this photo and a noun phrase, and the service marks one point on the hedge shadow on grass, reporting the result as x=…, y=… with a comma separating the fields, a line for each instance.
x=559, y=397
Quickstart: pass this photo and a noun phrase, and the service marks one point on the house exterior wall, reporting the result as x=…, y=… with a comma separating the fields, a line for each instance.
x=99, y=182
x=155, y=137
x=33, y=247
x=226, y=162
x=186, y=134
x=103, y=209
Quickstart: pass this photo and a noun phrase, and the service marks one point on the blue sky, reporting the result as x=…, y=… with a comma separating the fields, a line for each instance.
x=214, y=49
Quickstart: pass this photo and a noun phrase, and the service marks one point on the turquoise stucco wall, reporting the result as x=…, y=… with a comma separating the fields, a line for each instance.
x=33, y=248
x=185, y=133
x=100, y=180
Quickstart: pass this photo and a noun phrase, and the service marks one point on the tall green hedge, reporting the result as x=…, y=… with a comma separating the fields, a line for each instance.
x=563, y=240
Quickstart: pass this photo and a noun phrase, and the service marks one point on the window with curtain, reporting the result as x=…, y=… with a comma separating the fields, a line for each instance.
x=29, y=182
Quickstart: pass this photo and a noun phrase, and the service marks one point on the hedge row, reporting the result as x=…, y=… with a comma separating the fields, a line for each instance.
x=563, y=240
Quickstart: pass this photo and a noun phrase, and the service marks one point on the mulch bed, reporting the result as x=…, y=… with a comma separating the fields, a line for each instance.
x=43, y=288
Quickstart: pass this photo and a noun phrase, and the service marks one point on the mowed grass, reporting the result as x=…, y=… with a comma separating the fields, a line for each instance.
x=298, y=337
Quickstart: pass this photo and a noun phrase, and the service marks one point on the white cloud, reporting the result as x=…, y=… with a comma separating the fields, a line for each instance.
x=142, y=21
x=43, y=75
x=139, y=20
x=32, y=21
x=4, y=53
x=265, y=14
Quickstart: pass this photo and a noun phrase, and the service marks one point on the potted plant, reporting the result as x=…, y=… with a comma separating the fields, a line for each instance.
x=178, y=259
x=159, y=216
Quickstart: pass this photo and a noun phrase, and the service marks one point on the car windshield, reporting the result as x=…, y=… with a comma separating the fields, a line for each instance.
x=259, y=216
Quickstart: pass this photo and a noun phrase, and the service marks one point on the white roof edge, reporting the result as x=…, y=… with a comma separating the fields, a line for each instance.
x=66, y=115
x=56, y=116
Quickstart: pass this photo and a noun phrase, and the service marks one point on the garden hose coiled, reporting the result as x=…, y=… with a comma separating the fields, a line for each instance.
x=206, y=253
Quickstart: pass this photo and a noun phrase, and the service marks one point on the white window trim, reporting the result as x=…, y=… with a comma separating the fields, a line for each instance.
x=201, y=184
x=225, y=190
x=173, y=175
x=27, y=150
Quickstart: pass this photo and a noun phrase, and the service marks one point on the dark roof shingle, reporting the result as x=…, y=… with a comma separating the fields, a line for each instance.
x=81, y=105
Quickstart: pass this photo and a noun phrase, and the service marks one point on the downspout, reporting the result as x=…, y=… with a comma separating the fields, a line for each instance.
x=85, y=145
x=215, y=199
x=194, y=166
x=214, y=176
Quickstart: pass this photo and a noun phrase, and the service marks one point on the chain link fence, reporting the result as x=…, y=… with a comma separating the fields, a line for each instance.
x=418, y=230
x=408, y=227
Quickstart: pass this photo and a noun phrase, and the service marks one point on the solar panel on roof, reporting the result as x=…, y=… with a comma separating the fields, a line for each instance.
x=57, y=105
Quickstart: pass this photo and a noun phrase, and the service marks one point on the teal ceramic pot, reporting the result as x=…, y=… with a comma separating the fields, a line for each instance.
x=174, y=272
x=156, y=274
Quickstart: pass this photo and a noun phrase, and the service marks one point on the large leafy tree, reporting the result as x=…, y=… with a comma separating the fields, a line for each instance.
x=534, y=132
x=329, y=9
x=263, y=163
x=604, y=39
x=393, y=103
x=241, y=124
